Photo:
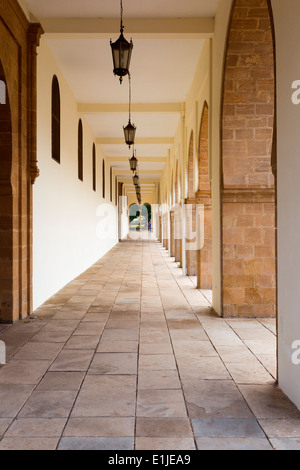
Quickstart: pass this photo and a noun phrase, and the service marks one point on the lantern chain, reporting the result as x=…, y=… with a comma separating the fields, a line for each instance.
x=121, y=8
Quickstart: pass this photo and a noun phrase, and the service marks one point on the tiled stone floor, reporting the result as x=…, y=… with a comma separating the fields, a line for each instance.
x=130, y=356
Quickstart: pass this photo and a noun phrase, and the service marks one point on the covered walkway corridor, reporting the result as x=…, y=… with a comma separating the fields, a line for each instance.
x=130, y=356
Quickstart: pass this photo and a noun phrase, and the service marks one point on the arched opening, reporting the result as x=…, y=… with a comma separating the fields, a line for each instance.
x=110, y=184
x=176, y=184
x=203, y=201
x=146, y=212
x=191, y=242
x=190, y=192
x=134, y=218
x=6, y=205
x=80, y=151
x=55, y=120
x=248, y=187
x=2, y=92
x=94, y=168
x=103, y=179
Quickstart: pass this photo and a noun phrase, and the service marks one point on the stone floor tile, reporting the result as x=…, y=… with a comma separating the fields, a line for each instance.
x=155, y=348
x=235, y=353
x=249, y=373
x=258, y=332
x=157, y=362
x=193, y=348
x=227, y=427
x=269, y=323
x=118, y=346
x=233, y=444
x=27, y=326
x=194, y=334
x=159, y=443
x=281, y=428
x=49, y=404
x=60, y=326
x=106, y=395
x=158, y=379
x=268, y=401
x=4, y=424
x=23, y=372
x=286, y=444
x=151, y=336
x=220, y=337
x=100, y=427
x=27, y=443
x=122, y=323
x=96, y=317
x=12, y=398
x=269, y=362
x=96, y=443
x=163, y=427
x=101, y=311
x=14, y=341
x=195, y=367
x=82, y=342
x=159, y=404
x=36, y=427
x=72, y=360
x=114, y=363
x=51, y=337
x=261, y=346
x=120, y=334
x=61, y=381
x=4, y=327
x=69, y=314
x=215, y=399
x=90, y=329
x=185, y=324
x=41, y=351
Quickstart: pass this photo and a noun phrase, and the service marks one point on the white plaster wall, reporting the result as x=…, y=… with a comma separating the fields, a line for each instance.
x=73, y=226
x=286, y=19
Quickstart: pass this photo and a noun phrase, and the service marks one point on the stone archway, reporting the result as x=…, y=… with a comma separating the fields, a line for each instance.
x=19, y=169
x=6, y=204
x=248, y=186
x=203, y=201
x=190, y=210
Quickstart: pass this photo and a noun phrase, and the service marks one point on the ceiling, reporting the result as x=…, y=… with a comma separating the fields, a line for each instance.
x=168, y=37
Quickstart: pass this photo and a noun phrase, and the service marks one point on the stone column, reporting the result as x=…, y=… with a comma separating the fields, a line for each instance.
x=204, y=236
x=191, y=238
x=172, y=234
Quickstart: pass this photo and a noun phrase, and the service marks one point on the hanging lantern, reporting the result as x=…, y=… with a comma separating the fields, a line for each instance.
x=135, y=180
x=121, y=52
x=133, y=163
x=129, y=130
x=129, y=133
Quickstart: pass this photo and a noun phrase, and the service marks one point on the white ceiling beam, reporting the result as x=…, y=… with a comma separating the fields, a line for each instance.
x=143, y=185
x=126, y=179
x=160, y=28
x=140, y=159
x=138, y=141
x=140, y=172
x=99, y=108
